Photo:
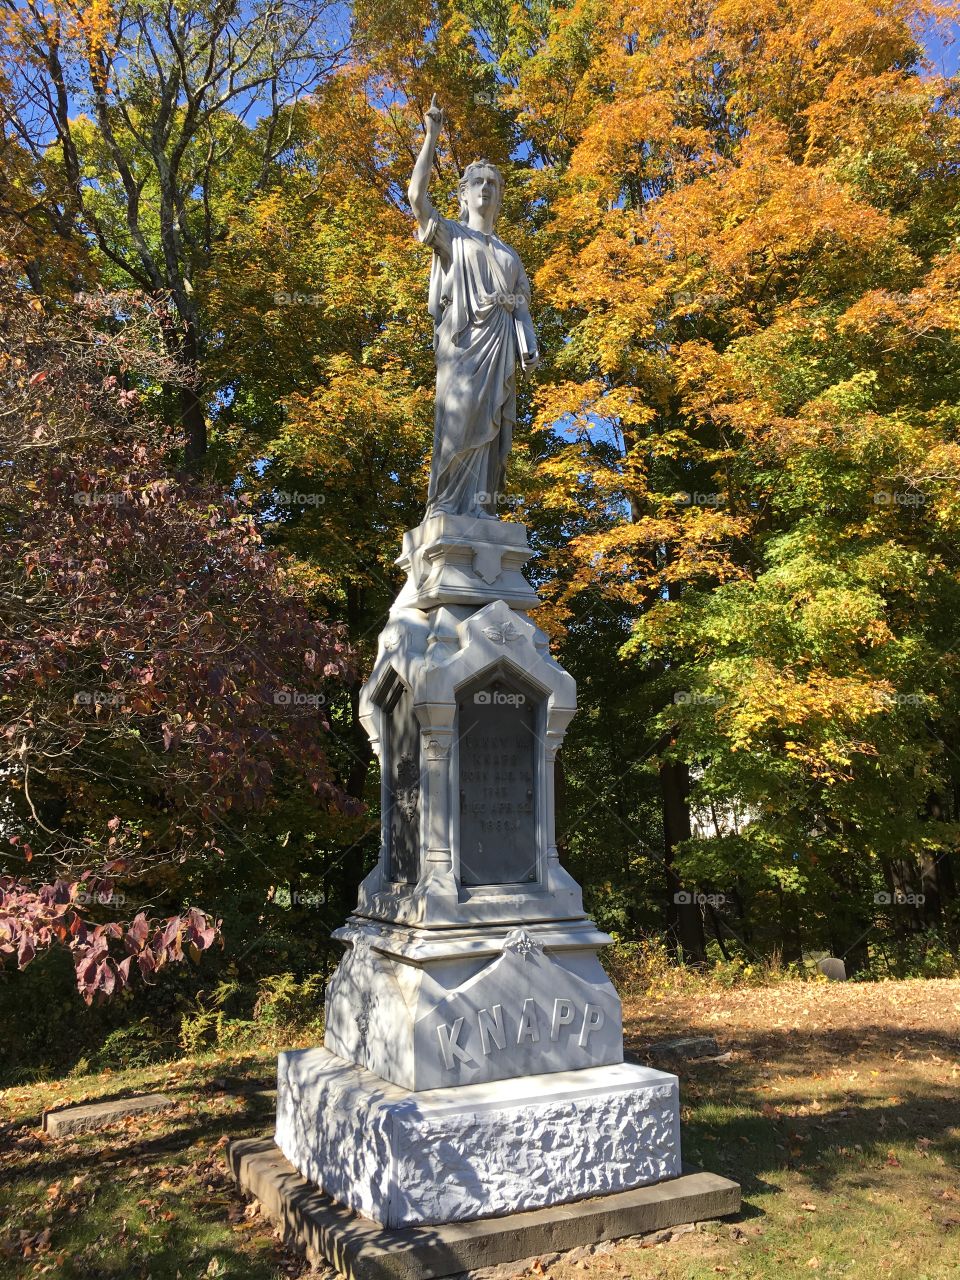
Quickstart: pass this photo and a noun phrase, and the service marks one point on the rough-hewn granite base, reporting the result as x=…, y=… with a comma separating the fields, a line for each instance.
x=362, y=1250
x=450, y=1155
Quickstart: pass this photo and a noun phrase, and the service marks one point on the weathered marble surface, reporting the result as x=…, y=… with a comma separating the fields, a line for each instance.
x=479, y=301
x=452, y=1019
x=465, y=560
x=450, y=1155
x=434, y=661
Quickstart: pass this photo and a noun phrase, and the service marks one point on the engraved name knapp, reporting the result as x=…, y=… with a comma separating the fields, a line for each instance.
x=497, y=1031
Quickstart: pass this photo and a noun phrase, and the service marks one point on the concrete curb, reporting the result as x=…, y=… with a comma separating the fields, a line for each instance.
x=99, y=1115
x=362, y=1250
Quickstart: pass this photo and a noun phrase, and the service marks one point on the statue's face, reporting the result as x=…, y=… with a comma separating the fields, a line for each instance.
x=482, y=194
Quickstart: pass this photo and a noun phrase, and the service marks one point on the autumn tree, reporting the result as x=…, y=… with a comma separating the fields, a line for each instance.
x=124, y=119
x=160, y=680
x=738, y=470
x=754, y=253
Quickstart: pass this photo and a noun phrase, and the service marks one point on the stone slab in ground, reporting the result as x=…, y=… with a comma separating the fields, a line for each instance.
x=99, y=1115
x=362, y=1250
x=689, y=1048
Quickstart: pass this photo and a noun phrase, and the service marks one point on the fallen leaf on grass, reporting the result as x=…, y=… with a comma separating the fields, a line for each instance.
x=810, y=1208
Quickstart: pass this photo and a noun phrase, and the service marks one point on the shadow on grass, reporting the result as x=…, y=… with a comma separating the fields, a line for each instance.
x=95, y=1147
x=734, y=1126
x=259, y=1084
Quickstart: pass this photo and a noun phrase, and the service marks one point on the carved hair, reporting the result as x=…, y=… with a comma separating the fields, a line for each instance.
x=468, y=173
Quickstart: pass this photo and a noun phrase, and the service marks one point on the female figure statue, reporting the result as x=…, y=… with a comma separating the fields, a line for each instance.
x=479, y=301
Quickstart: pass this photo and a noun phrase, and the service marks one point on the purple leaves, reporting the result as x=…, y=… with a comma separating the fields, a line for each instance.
x=33, y=917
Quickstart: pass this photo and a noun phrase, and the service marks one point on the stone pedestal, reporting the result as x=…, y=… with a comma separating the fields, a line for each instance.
x=473, y=1054
x=433, y=1012
x=407, y=1158
x=465, y=560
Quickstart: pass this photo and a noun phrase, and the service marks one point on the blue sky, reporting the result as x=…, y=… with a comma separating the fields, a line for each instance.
x=944, y=51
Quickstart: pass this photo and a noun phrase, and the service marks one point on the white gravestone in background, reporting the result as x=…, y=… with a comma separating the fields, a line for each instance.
x=473, y=1056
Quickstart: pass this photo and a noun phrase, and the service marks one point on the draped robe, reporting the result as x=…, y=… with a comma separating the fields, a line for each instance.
x=478, y=300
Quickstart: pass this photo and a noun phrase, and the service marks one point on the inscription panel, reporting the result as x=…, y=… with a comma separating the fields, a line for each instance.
x=403, y=786
x=497, y=748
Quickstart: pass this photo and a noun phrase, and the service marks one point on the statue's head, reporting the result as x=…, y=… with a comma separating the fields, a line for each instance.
x=480, y=190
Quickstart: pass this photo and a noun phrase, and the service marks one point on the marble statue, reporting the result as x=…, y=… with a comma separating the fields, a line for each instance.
x=479, y=301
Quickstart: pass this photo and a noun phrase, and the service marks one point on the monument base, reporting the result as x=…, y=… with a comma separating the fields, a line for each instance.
x=452, y=1155
x=359, y=1249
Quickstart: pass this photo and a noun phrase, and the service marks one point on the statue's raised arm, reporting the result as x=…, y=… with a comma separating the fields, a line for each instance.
x=479, y=300
x=420, y=178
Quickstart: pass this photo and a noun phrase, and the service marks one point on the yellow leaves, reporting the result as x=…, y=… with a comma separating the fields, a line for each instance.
x=611, y=143
x=660, y=222
x=95, y=21
x=766, y=210
x=860, y=112
x=814, y=712
x=826, y=613
x=583, y=405
x=570, y=400
x=925, y=314
x=354, y=405
x=626, y=561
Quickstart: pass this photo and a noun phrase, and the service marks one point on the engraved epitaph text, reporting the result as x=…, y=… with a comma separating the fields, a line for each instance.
x=497, y=748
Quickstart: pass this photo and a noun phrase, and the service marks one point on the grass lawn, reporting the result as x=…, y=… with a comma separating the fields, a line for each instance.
x=838, y=1110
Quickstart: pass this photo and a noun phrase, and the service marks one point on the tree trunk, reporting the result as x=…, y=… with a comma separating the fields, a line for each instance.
x=791, y=935
x=192, y=413
x=684, y=914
